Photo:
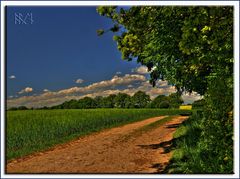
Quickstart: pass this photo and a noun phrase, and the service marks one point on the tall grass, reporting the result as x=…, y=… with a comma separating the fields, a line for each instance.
x=34, y=130
x=191, y=154
x=186, y=158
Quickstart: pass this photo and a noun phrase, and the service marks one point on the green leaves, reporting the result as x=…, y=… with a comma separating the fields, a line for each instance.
x=206, y=29
x=107, y=11
x=115, y=28
x=100, y=32
x=140, y=99
x=161, y=35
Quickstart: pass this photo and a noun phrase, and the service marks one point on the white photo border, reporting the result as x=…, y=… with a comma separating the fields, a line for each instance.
x=126, y=3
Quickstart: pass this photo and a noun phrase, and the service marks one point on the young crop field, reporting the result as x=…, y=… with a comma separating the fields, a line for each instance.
x=29, y=131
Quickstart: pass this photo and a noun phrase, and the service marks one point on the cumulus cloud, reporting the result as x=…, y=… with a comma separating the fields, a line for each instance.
x=151, y=91
x=45, y=90
x=12, y=77
x=79, y=81
x=189, y=98
x=141, y=70
x=25, y=90
x=115, y=81
x=129, y=84
x=157, y=90
x=161, y=83
x=52, y=98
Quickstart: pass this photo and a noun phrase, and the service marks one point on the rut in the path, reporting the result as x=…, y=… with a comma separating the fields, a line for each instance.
x=107, y=152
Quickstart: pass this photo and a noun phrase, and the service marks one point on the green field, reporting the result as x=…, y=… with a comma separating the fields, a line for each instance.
x=29, y=131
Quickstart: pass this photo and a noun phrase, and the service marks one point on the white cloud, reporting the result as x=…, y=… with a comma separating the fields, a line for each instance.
x=161, y=83
x=79, y=81
x=118, y=73
x=157, y=90
x=45, y=90
x=12, y=77
x=189, y=98
x=26, y=90
x=52, y=98
x=129, y=84
x=115, y=81
x=141, y=70
x=152, y=92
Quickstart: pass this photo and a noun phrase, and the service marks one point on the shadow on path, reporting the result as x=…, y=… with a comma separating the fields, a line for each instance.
x=167, y=147
x=173, y=125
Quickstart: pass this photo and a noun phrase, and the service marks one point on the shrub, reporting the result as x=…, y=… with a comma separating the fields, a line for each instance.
x=164, y=104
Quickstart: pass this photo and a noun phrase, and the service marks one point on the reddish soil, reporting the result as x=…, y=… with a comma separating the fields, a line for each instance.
x=116, y=150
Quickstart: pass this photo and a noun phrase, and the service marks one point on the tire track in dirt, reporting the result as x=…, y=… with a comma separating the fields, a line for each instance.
x=106, y=152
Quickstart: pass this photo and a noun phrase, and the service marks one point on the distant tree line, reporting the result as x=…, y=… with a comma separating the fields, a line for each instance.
x=121, y=100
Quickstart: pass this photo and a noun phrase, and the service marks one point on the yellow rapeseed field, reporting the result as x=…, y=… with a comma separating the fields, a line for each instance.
x=188, y=107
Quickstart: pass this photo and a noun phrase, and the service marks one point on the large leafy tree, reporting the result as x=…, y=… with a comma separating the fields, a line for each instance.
x=185, y=45
x=122, y=100
x=140, y=99
x=99, y=101
x=72, y=104
x=192, y=48
x=158, y=100
x=108, y=102
x=175, y=100
x=86, y=103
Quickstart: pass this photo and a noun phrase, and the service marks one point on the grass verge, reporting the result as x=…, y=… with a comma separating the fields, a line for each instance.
x=186, y=158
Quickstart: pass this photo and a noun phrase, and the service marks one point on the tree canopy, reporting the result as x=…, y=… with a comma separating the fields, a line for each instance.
x=185, y=45
x=140, y=99
x=122, y=100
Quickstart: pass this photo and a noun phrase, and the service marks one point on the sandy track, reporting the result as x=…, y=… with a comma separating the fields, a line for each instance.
x=109, y=151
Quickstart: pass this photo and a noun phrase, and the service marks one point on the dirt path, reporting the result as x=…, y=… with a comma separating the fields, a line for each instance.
x=109, y=151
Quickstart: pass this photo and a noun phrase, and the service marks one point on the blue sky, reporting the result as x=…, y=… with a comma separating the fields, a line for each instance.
x=58, y=56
